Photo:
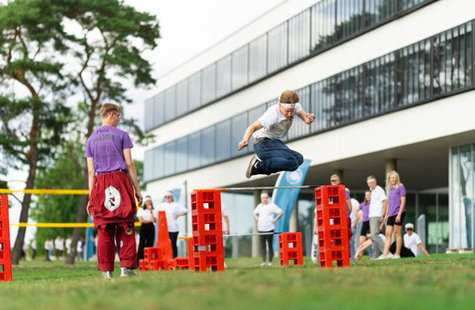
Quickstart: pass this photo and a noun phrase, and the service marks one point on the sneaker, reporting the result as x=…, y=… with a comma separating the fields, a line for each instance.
x=263, y=264
x=252, y=167
x=385, y=257
x=107, y=274
x=269, y=264
x=126, y=272
x=396, y=256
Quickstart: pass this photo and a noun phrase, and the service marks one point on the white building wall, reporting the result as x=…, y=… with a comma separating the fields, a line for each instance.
x=392, y=36
x=445, y=117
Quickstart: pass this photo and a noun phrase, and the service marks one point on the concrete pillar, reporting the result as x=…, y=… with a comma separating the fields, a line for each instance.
x=294, y=219
x=256, y=250
x=391, y=164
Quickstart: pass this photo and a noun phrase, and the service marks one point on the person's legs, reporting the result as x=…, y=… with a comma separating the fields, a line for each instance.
x=392, y=248
x=105, y=247
x=397, y=235
x=275, y=156
x=378, y=244
x=270, y=239
x=263, y=246
x=140, y=251
x=125, y=238
x=405, y=252
x=387, y=243
x=173, y=237
x=150, y=236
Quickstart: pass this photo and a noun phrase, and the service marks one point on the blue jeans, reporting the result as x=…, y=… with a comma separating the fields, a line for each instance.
x=275, y=156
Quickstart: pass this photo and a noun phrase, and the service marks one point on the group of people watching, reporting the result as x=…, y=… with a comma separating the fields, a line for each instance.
x=384, y=208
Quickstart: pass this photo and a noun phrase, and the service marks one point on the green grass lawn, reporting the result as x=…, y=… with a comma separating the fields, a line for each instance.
x=444, y=282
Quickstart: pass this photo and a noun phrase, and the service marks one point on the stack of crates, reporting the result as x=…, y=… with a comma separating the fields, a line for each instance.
x=290, y=248
x=206, y=220
x=332, y=226
x=5, y=255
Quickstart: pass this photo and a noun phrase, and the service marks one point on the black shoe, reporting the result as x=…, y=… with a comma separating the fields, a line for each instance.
x=252, y=167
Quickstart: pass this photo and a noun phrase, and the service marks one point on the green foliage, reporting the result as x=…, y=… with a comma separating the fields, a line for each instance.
x=65, y=173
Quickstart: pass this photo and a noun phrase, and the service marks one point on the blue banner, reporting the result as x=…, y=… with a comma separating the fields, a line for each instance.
x=287, y=198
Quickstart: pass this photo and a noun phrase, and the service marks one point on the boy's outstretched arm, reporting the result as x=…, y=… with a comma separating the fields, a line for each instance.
x=248, y=133
x=308, y=118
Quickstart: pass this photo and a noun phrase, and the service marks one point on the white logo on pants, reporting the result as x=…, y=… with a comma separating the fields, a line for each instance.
x=112, y=200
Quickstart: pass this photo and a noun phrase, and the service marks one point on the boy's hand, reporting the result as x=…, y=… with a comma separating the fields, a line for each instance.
x=310, y=117
x=243, y=144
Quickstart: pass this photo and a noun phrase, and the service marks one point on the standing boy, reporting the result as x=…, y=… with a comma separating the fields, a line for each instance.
x=272, y=155
x=112, y=200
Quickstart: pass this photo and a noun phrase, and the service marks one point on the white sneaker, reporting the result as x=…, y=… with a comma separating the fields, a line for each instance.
x=396, y=256
x=269, y=264
x=263, y=264
x=385, y=257
x=126, y=272
x=107, y=274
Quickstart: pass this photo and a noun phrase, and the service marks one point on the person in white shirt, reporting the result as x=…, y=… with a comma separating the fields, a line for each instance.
x=272, y=155
x=264, y=214
x=377, y=207
x=412, y=243
x=33, y=248
x=49, y=249
x=173, y=211
x=68, y=245
x=147, y=229
x=59, y=245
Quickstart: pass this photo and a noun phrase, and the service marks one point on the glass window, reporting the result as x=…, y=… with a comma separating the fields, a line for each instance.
x=239, y=124
x=258, y=58
x=148, y=166
x=169, y=157
x=158, y=111
x=158, y=170
x=348, y=96
x=208, y=90
x=349, y=17
x=194, y=96
x=182, y=97
x=299, y=36
x=323, y=24
x=208, y=145
x=194, y=152
x=277, y=54
x=240, y=66
x=252, y=116
x=181, y=154
x=223, y=69
x=170, y=103
x=223, y=140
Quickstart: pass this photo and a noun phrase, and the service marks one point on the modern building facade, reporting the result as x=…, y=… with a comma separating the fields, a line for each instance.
x=392, y=85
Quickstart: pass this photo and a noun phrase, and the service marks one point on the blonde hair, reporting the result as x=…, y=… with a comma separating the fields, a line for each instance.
x=107, y=108
x=388, y=183
x=289, y=96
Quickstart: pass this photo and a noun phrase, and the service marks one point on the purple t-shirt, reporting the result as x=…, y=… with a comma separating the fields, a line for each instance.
x=105, y=146
x=364, y=207
x=394, y=199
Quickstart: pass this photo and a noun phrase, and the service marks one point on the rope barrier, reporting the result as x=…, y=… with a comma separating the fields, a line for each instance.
x=46, y=191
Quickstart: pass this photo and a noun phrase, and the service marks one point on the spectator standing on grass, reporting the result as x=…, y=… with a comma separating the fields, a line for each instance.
x=412, y=242
x=173, y=212
x=362, y=213
x=395, y=213
x=33, y=248
x=265, y=215
x=59, y=245
x=147, y=230
x=48, y=245
x=68, y=245
x=79, y=249
x=377, y=207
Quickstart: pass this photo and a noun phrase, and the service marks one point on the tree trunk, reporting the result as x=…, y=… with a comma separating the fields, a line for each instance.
x=81, y=213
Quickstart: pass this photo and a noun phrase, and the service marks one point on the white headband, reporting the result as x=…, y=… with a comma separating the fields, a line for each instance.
x=288, y=105
x=371, y=180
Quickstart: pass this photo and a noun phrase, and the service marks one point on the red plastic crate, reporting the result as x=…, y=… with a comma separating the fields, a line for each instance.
x=290, y=249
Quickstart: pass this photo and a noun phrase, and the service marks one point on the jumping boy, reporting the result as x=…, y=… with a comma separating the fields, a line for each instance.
x=272, y=155
x=112, y=200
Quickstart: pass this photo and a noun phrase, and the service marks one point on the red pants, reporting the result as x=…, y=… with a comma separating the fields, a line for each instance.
x=124, y=235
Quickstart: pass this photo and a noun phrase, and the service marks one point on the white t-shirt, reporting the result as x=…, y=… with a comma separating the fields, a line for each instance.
x=266, y=215
x=376, y=204
x=58, y=244
x=145, y=214
x=172, y=210
x=275, y=125
x=412, y=242
x=354, y=204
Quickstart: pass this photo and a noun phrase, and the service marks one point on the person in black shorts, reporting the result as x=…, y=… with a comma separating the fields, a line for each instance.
x=364, y=207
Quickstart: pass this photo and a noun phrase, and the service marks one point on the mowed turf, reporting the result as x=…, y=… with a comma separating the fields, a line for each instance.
x=444, y=282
